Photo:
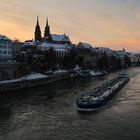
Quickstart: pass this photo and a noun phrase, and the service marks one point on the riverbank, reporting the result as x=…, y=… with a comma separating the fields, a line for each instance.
x=33, y=80
x=38, y=79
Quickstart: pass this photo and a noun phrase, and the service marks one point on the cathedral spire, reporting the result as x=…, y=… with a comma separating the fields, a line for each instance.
x=47, y=30
x=37, y=20
x=38, y=31
x=47, y=22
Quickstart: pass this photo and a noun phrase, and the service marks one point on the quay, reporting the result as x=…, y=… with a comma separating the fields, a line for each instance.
x=17, y=84
x=38, y=79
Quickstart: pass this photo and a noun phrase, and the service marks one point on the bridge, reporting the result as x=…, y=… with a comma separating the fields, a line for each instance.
x=8, y=70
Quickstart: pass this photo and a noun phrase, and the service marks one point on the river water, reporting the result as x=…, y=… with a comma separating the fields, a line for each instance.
x=49, y=113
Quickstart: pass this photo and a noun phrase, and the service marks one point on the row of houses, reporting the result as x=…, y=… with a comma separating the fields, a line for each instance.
x=61, y=45
x=9, y=49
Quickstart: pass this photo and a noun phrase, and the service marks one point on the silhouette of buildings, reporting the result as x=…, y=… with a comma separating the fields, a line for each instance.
x=48, y=37
x=61, y=44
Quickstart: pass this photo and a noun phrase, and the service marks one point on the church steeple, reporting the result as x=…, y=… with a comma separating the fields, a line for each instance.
x=38, y=31
x=47, y=22
x=47, y=29
x=47, y=34
x=37, y=20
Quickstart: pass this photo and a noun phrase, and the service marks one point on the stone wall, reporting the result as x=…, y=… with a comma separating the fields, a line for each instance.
x=8, y=71
x=6, y=87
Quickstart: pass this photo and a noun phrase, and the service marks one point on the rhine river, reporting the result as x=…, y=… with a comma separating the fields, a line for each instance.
x=49, y=113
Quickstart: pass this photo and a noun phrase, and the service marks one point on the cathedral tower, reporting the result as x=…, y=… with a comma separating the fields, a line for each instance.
x=47, y=29
x=38, y=31
x=47, y=34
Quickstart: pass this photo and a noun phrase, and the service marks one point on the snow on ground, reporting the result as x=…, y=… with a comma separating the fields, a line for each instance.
x=31, y=76
x=34, y=76
x=99, y=73
x=77, y=67
x=93, y=73
x=10, y=81
x=60, y=71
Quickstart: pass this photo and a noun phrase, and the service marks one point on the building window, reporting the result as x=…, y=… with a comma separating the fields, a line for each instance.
x=9, y=52
x=4, y=52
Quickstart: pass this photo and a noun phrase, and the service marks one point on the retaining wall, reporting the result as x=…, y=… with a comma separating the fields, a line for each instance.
x=5, y=87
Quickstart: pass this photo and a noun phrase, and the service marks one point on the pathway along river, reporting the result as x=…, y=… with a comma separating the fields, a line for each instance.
x=48, y=113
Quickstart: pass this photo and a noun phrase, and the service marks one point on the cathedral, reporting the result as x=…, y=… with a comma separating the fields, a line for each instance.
x=48, y=37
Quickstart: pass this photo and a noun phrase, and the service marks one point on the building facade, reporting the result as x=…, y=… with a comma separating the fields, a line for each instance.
x=61, y=44
x=5, y=48
x=87, y=53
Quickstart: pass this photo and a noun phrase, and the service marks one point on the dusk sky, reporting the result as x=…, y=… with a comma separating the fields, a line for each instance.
x=107, y=23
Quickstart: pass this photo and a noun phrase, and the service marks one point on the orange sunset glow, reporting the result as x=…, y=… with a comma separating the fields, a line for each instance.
x=109, y=23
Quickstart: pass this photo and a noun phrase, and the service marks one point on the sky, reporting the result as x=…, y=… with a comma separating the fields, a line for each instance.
x=102, y=23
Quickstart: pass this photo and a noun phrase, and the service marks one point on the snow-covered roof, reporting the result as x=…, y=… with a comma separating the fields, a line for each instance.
x=60, y=38
x=30, y=43
x=56, y=47
x=84, y=45
x=52, y=45
x=123, y=54
x=104, y=50
x=3, y=37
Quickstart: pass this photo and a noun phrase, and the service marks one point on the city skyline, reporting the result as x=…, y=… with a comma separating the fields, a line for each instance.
x=113, y=24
